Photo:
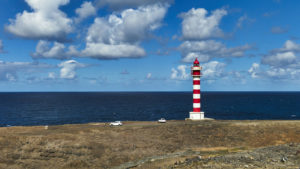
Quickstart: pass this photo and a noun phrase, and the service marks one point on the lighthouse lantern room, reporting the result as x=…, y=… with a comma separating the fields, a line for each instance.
x=196, y=114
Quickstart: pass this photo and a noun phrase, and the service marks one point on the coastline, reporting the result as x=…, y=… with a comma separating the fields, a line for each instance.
x=141, y=144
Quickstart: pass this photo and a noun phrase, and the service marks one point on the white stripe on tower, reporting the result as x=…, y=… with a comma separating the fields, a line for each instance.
x=197, y=105
x=197, y=87
x=196, y=96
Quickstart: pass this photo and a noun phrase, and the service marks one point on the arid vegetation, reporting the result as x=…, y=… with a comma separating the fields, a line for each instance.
x=139, y=144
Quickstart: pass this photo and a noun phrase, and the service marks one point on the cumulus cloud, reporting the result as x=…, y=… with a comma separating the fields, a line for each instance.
x=196, y=25
x=288, y=46
x=283, y=73
x=125, y=4
x=274, y=73
x=86, y=9
x=118, y=36
x=9, y=70
x=213, y=70
x=104, y=51
x=46, y=21
x=282, y=57
x=180, y=73
x=57, y=51
x=199, y=33
x=279, y=64
x=43, y=50
x=210, y=71
x=254, y=70
x=208, y=49
x=130, y=26
x=1, y=46
x=68, y=69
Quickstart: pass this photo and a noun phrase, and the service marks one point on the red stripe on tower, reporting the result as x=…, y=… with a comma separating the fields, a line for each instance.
x=196, y=100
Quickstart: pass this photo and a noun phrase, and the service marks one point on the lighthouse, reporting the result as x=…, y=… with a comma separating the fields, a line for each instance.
x=196, y=114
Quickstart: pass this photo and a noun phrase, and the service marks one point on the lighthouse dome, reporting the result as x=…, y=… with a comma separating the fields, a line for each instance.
x=196, y=62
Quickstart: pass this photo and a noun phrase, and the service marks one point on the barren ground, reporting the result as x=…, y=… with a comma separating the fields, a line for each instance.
x=176, y=144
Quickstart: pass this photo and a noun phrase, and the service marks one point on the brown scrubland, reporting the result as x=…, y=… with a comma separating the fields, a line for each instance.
x=175, y=144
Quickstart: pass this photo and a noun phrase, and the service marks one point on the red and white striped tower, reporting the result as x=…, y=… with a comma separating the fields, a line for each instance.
x=196, y=114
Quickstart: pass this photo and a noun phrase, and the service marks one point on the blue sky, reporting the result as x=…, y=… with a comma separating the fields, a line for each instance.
x=149, y=45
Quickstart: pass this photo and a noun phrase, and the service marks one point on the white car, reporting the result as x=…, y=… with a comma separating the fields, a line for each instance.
x=162, y=120
x=116, y=123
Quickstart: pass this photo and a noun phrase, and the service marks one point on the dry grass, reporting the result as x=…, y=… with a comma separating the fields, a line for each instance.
x=100, y=146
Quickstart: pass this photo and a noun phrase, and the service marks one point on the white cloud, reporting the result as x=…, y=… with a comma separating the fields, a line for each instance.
x=86, y=9
x=114, y=37
x=254, y=70
x=199, y=32
x=213, y=70
x=125, y=4
x=1, y=46
x=9, y=70
x=104, y=51
x=68, y=69
x=283, y=73
x=288, y=46
x=130, y=26
x=282, y=57
x=180, y=73
x=118, y=36
x=10, y=77
x=191, y=56
x=57, y=51
x=208, y=49
x=210, y=71
x=174, y=74
x=196, y=25
x=46, y=21
x=274, y=73
x=279, y=64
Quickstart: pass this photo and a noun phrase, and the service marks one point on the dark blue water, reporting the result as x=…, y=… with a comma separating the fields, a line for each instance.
x=67, y=108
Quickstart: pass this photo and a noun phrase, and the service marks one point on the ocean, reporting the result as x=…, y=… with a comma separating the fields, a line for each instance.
x=53, y=108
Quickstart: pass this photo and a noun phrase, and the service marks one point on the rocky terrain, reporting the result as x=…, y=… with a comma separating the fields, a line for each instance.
x=281, y=156
x=176, y=144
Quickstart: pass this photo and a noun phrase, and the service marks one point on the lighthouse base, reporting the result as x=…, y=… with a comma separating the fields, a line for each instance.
x=196, y=115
